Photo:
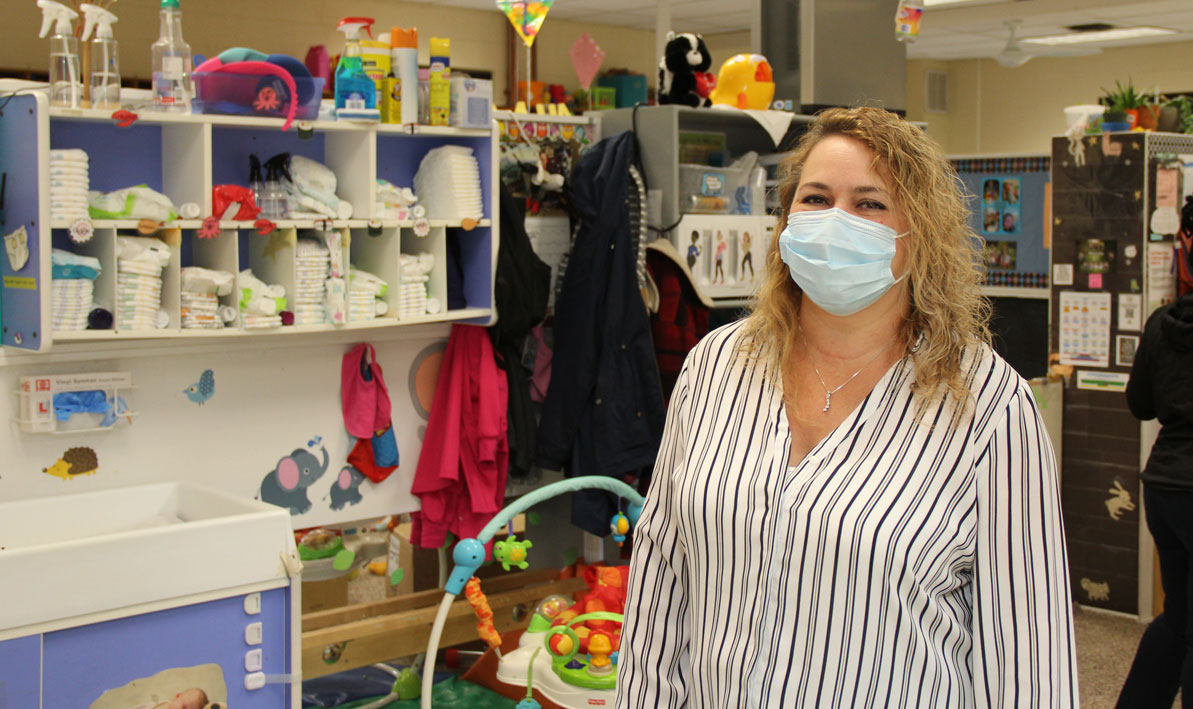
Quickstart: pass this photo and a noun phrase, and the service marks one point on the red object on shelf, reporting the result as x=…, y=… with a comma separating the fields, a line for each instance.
x=124, y=118
x=224, y=196
x=210, y=228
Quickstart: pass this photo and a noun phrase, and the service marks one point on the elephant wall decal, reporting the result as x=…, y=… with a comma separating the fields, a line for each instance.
x=345, y=491
x=286, y=485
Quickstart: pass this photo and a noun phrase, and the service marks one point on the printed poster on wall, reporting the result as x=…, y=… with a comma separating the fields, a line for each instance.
x=1000, y=205
x=1103, y=381
x=1130, y=316
x=1125, y=347
x=1161, y=280
x=1085, y=329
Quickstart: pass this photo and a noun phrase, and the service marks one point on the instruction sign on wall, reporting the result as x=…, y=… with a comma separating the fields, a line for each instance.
x=1085, y=329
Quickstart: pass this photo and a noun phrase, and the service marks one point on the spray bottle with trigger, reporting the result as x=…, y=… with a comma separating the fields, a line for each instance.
x=65, y=87
x=356, y=94
x=273, y=202
x=105, y=62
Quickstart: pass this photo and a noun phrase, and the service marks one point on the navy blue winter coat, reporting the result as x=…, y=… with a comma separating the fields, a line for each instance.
x=604, y=410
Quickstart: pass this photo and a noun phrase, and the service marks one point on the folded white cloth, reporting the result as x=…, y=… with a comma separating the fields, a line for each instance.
x=196, y=279
x=259, y=287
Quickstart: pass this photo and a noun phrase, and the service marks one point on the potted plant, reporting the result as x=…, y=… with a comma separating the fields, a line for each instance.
x=1176, y=115
x=1126, y=101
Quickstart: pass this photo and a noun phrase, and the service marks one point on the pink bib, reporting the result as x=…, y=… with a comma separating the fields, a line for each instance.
x=362, y=392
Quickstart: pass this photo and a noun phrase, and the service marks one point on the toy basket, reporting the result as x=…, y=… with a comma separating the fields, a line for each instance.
x=255, y=95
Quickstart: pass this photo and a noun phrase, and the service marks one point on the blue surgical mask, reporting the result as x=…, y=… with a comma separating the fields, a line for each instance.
x=839, y=260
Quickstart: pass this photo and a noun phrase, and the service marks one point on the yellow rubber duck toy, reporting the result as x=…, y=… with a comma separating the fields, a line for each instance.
x=745, y=81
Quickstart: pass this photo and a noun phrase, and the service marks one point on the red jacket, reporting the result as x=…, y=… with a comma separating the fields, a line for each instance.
x=465, y=455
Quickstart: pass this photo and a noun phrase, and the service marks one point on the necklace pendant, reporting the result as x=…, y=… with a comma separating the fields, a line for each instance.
x=828, y=401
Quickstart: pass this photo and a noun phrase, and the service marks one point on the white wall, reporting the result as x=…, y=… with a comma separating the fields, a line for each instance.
x=273, y=394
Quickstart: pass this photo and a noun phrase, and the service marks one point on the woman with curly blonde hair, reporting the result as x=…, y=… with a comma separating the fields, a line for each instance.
x=855, y=502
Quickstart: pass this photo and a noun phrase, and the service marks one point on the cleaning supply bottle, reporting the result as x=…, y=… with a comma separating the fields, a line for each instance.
x=171, y=63
x=439, y=97
x=256, y=185
x=273, y=192
x=105, y=62
x=356, y=94
x=404, y=62
x=66, y=88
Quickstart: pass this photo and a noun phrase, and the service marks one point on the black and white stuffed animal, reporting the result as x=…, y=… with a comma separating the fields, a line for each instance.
x=683, y=71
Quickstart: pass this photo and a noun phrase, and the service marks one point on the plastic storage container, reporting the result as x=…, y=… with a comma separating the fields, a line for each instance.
x=255, y=95
x=711, y=190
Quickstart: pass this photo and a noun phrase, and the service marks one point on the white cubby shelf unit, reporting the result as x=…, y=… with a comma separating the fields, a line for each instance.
x=184, y=156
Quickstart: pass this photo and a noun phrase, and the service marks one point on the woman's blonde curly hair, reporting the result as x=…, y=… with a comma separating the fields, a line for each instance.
x=947, y=310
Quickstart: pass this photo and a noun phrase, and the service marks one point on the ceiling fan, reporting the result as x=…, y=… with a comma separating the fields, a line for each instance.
x=1015, y=54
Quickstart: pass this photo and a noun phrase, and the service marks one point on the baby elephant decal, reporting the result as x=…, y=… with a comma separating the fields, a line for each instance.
x=345, y=491
x=286, y=485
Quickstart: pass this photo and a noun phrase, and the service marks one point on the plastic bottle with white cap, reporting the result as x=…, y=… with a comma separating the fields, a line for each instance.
x=66, y=88
x=105, y=61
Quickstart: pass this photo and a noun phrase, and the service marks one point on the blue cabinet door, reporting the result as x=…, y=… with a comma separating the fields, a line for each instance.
x=202, y=646
x=20, y=673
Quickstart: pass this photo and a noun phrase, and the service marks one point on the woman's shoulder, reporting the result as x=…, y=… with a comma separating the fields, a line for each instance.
x=719, y=352
x=993, y=385
x=719, y=347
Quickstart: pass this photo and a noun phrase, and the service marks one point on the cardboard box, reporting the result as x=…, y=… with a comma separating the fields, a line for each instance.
x=420, y=567
x=323, y=595
x=471, y=102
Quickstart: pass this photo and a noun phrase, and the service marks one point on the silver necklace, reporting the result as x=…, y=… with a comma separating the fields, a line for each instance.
x=828, y=395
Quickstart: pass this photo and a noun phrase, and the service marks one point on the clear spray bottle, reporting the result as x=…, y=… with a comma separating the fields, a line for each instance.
x=66, y=89
x=105, y=61
x=273, y=202
x=171, y=63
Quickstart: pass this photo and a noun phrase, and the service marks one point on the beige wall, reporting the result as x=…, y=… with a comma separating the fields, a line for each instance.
x=993, y=109
x=624, y=49
x=292, y=26
x=725, y=45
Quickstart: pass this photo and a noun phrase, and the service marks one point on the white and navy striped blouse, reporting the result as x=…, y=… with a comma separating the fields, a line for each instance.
x=900, y=564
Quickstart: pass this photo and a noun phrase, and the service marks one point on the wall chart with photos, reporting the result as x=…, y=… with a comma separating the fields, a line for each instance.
x=1008, y=198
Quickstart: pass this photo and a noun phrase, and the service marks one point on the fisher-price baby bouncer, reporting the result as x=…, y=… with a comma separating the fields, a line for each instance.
x=552, y=657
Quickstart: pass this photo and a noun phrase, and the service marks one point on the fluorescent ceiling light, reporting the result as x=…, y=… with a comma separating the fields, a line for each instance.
x=1100, y=36
x=934, y=3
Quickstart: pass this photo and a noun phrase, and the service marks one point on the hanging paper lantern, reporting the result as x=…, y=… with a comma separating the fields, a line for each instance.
x=526, y=16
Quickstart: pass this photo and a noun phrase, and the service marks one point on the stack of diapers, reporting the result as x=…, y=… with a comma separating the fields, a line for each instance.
x=412, y=299
x=139, y=264
x=311, y=192
x=312, y=262
x=70, y=180
x=365, y=291
x=448, y=184
x=73, y=290
x=201, y=289
x=261, y=304
x=394, y=202
x=139, y=202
